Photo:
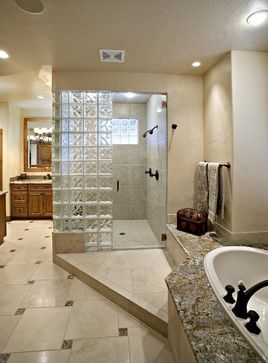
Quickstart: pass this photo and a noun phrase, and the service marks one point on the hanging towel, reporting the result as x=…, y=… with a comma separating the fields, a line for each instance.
x=213, y=187
x=222, y=189
x=201, y=186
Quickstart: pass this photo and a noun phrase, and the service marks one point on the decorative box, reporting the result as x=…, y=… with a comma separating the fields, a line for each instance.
x=192, y=221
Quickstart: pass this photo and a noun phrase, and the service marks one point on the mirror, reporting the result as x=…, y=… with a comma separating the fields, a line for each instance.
x=37, y=143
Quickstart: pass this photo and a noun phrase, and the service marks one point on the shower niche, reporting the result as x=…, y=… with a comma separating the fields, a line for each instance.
x=103, y=144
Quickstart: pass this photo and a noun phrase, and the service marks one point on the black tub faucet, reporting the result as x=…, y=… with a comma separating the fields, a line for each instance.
x=243, y=297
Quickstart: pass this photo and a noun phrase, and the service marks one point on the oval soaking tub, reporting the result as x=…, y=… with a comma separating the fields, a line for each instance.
x=229, y=265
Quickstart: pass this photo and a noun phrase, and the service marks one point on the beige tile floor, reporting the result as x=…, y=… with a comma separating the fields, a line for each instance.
x=137, y=234
x=91, y=327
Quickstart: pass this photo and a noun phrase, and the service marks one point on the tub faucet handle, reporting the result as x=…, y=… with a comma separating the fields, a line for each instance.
x=241, y=286
x=229, y=296
x=252, y=324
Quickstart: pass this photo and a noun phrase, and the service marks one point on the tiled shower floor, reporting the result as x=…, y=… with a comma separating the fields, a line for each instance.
x=47, y=316
x=133, y=234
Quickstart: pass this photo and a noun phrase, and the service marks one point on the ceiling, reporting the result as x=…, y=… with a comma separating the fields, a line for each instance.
x=121, y=97
x=159, y=36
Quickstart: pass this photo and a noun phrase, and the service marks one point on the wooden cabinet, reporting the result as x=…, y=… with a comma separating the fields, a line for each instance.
x=31, y=200
x=2, y=216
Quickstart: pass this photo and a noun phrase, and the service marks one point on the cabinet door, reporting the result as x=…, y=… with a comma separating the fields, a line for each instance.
x=47, y=204
x=35, y=204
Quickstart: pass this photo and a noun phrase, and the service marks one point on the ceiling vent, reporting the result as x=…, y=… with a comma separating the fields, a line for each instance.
x=112, y=55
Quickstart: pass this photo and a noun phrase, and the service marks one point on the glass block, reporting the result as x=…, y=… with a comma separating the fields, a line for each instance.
x=56, y=196
x=75, y=139
x=105, y=111
x=75, y=167
x=90, y=97
x=76, y=210
x=56, y=139
x=76, y=196
x=65, y=224
x=105, y=224
x=65, y=181
x=64, y=155
x=105, y=195
x=56, y=97
x=64, y=111
x=56, y=167
x=105, y=126
x=64, y=168
x=105, y=153
x=64, y=125
x=105, y=211
x=76, y=97
x=105, y=97
x=90, y=167
x=91, y=196
x=91, y=210
x=105, y=181
x=105, y=167
x=90, y=139
x=57, y=224
x=76, y=125
x=65, y=193
x=92, y=239
x=90, y=153
x=60, y=210
x=90, y=181
x=91, y=224
x=76, y=110
x=75, y=153
x=105, y=237
x=56, y=111
x=55, y=153
x=90, y=125
x=105, y=139
x=90, y=111
x=76, y=182
x=64, y=96
x=64, y=139
x=76, y=224
x=55, y=125
x=56, y=180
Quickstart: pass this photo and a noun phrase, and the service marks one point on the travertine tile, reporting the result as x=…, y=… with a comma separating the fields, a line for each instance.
x=39, y=329
x=148, y=280
x=80, y=291
x=49, y=271
x=101, y=350
x=92, y=318
x=10, y=298
x=7, y=326
x=16, y=274
x=56, y=356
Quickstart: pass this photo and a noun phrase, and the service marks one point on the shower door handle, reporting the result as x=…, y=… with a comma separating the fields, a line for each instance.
x=117, y=186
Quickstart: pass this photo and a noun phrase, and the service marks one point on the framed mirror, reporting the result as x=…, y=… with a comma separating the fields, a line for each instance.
x=37, y=143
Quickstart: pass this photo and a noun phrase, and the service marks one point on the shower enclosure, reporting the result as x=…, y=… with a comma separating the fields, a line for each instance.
x=104, y=168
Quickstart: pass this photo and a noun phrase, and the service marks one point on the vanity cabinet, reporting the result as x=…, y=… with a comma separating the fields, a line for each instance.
x=3, y=230
x=31, y=200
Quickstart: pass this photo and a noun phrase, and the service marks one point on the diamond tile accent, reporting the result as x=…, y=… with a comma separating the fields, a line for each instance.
x=123, y=332
x=43, y=248
x=12, y=250
x=20, y=311
x=30, y=282
x=4, y=357
x=38, y=262
x=69, y=303
x=20, y=238
x=70, y=277
x=67, y=344
x=2, y=266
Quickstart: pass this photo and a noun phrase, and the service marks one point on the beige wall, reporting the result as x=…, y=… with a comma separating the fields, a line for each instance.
x=129, y=163
x=185, y=107
x=156, y=159
x=250, y=123
x=218, y=124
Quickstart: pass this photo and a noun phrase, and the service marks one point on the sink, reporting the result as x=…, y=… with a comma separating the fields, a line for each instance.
x=229, y=265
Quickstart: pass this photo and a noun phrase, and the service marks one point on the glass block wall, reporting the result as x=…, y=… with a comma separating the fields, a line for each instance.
x=82, y=166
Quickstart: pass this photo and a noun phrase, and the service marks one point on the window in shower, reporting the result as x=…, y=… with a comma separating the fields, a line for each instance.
x=125, y=131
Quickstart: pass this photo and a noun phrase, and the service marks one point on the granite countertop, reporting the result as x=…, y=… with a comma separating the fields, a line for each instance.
x=32, y=181
x=2, y=192
x=212, y=335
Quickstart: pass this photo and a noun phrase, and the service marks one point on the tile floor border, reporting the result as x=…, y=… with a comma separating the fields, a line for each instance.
x=118, y=296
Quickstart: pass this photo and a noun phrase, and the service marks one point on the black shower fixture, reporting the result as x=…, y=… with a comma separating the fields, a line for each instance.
x=151, y=131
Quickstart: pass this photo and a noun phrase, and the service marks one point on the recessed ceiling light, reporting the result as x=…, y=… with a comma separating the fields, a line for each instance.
x=130, y=94
x=40, y=97
x=196, y=64
x=3, y=54
x=258, y=17
x=31, y=6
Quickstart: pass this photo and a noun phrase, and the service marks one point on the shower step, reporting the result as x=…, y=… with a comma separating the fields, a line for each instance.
x=148, y=314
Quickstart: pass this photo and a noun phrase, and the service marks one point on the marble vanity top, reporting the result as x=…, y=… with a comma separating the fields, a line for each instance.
x=212, y=335
x=32, y=181
x=2, y=192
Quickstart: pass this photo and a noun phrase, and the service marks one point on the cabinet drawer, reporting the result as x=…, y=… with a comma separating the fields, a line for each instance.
x=19, y=210
x=19, y=197
x=18, y=187
x=39, y=187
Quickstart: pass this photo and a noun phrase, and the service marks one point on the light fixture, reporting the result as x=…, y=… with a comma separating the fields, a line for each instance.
x=41, y=97
x=130, y=94
x=196, y=64
x=31, y=6
x=3, y=54
x=258, y=17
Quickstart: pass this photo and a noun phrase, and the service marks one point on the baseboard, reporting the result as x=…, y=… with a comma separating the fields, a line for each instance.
x=223, y=232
